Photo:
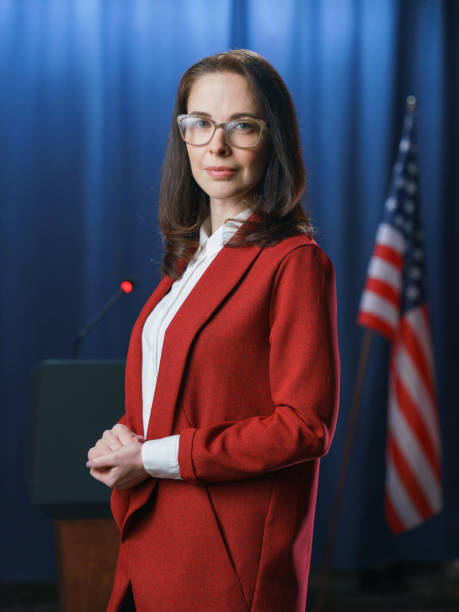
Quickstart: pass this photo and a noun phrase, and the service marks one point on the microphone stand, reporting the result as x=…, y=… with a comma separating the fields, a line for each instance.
x=85, y=331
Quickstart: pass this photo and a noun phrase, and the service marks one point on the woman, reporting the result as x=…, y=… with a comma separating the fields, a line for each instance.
x=232, y=373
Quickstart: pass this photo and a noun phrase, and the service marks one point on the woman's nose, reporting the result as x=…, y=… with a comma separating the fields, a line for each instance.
x=219, y=142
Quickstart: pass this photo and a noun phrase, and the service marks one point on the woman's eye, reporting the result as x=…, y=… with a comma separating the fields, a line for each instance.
x=244, y=127
x=201, y=123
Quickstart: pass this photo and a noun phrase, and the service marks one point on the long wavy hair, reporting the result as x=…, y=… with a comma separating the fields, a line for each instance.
x=183, y=205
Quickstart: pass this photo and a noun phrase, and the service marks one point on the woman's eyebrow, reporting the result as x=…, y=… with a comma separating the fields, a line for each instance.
x=234, y=116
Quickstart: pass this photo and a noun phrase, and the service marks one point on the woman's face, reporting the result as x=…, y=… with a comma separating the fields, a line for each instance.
x=222, y=95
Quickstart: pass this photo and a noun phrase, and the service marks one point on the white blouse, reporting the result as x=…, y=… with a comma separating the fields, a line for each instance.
x=160, y=456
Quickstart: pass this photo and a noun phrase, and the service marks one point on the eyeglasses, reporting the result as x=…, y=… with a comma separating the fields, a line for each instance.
x=244, y=133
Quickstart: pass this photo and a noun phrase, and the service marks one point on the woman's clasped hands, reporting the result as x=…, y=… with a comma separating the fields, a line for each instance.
x=116, y=459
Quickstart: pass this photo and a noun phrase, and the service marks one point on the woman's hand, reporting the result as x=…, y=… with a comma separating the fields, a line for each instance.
x=116, y=459
x=113, y=439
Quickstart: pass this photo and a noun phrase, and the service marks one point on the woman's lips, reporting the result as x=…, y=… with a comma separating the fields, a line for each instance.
x=220, y=172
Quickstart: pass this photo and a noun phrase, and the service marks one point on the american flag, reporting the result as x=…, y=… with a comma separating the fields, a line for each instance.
x=394, y=304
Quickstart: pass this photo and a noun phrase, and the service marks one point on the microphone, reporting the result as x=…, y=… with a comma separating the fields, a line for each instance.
x=126, y=286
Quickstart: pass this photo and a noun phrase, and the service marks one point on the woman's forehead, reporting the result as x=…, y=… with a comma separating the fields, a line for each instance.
x=223, y=93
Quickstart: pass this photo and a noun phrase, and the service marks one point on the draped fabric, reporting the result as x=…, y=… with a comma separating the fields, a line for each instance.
x=87, y=90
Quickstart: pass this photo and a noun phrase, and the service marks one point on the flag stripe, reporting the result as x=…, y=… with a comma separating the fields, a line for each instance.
x=384, y=270
x=418, y=426
x=419, y=320
x=404, y=508
x=416, y=389
x=384, y=291
x=411, y=343
x=373, y=303
x=405, y=473
x=368, y=319
x=412, y=451
x=389, y=254
x=389, y=236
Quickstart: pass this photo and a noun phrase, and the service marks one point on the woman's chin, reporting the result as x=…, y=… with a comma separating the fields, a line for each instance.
x=226, y=192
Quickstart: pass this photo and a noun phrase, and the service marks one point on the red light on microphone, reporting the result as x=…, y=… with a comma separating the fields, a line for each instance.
x=127, y=286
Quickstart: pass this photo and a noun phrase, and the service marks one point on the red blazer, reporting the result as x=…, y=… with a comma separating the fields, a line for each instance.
x=249, y=378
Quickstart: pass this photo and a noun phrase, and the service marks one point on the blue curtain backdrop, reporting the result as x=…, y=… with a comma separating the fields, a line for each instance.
x=86, y=97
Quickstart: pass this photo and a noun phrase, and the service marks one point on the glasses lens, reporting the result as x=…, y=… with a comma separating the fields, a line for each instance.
x=196, y=130
x=244, y=133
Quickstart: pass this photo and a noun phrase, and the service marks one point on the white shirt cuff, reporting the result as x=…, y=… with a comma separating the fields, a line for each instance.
x=160, y=457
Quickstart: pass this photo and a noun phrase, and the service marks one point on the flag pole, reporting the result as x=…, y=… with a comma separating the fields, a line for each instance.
x=344, y=468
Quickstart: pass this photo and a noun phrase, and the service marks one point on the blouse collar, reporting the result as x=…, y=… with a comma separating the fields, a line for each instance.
x=211, y=243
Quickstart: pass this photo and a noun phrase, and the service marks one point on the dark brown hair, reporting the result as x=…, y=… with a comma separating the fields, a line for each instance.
x=183, y=205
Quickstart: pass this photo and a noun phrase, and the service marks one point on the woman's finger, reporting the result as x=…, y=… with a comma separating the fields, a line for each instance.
x=100, y=448
x=126, y=436
x=103, y=461
x=111, y=440
x=105, y=475
x=103, y=448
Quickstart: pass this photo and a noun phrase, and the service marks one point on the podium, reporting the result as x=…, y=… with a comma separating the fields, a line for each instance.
x=72, y=403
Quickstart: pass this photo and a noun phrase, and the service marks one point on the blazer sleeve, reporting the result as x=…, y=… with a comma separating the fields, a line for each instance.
x=123, y=420
x=304, y=371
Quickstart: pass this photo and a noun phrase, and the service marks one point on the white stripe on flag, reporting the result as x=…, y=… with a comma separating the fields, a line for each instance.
x=414, y=455
x=378, y=306
x=404, y=508
x=415, y=387
x=386, y=272
x=388, y=236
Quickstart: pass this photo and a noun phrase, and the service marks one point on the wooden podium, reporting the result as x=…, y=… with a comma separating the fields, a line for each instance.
x=86, y=551
x=73, y=402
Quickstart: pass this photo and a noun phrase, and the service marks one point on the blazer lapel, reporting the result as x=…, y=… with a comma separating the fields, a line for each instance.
x=220, y=278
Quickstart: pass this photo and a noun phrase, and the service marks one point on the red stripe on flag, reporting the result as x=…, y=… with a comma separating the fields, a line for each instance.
x=384, y=290
x=388, y=254
x=414, y=419
x=395, y=524
x=417, y=355
x=367, y=319
x=408, y=478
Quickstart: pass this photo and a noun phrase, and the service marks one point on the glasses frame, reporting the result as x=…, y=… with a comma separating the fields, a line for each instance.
x=261, y=122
